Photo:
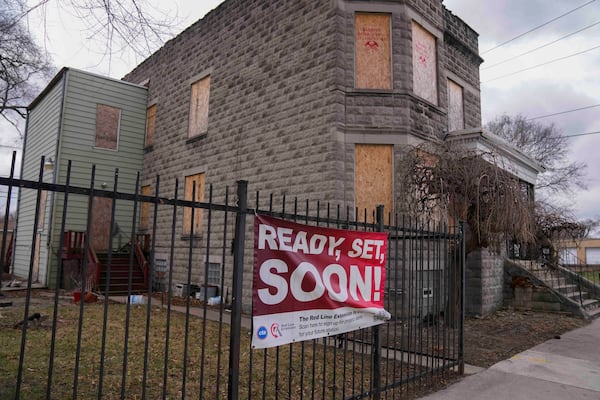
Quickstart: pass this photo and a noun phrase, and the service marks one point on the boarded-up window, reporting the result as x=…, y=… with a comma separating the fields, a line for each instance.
x=197, y=194
x=145, y=208
x=101, y=221
x=373, y=179
x=198, y=123
x=424, y=64
x=150, y=125
x=373, y=51
x=456, y=118
x=107, y=126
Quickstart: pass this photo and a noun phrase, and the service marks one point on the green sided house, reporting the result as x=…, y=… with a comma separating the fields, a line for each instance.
x=90, y=120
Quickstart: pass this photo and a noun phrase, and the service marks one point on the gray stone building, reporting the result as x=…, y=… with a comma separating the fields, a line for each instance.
x=314, y=99
x=302, y=97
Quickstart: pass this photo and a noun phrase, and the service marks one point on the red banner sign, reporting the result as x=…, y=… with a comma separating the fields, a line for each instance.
x=312, y=282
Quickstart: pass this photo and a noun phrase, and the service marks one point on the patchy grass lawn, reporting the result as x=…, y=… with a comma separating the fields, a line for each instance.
x=38, y=344
x=287, y=372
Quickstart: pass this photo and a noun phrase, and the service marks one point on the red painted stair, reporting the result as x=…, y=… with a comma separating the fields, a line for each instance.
x=119, y=268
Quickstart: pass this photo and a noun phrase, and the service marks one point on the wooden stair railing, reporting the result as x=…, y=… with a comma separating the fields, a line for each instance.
x=9, y=250
x=141, y=258
x=74, y=245
x=73, y=248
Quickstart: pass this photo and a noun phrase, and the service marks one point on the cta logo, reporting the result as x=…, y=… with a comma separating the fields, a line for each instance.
x=262, y=333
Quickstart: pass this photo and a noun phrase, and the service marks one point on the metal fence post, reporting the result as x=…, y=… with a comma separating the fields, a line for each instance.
x=376, y=331
x=34, y=248
x=236, y=300
x=461, y=326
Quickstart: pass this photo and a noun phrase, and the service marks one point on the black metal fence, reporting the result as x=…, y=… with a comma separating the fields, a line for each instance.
x=164, y=342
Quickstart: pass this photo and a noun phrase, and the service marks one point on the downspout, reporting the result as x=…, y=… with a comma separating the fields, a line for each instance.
x=55, y=176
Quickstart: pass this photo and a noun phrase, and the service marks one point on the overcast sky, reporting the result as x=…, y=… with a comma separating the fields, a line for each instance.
x=559, y=86
x=556, y=87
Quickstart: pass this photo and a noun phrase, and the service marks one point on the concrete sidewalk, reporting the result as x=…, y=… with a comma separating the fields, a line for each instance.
x=565, y=368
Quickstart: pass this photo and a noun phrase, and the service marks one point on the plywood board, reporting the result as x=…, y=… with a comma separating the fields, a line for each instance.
x=191, y=181
x=150, y=125
x=101, y=221
x=424, y=64
x=373, y=178
x=145, y=208
x=198, y=118
x=373, y=51
x=42, y=213
x=107, y=126
x=35, y=273
x=456, y=118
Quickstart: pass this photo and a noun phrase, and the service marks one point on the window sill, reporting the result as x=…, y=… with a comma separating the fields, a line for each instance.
x=196, y=138
x=97, y=148
x=188, y=237
x=365, y=91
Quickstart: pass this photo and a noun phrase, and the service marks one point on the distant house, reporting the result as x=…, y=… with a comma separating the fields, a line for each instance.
x=88, y=119
x=580, y=252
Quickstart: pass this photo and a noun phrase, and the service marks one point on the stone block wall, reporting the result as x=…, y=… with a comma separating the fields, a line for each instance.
x=399, y=110
x=272, y=70
x=484, y=282
x=418, y=277
x=398, y=116
x=463, y=60
x=270, y=101
x=283, y=110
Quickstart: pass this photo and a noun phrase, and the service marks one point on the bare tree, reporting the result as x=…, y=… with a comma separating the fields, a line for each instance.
x=556, y=226
x=445, y=178
x=116, y=25
x=22, y=62
x=113, y=26
x=558, y=223
x=546, y=144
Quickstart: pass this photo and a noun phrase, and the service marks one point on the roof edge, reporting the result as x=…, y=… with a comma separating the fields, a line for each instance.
x=63, y=71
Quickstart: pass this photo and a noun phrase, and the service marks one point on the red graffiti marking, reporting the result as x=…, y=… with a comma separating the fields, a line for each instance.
x=372, y=44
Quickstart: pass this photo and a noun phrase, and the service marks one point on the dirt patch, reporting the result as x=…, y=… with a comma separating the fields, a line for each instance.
x=508, y=332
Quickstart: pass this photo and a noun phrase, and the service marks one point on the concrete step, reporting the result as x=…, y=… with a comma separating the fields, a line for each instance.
x=576, y=295
x=594, y=313
x=566, y=288
x=590, y=304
